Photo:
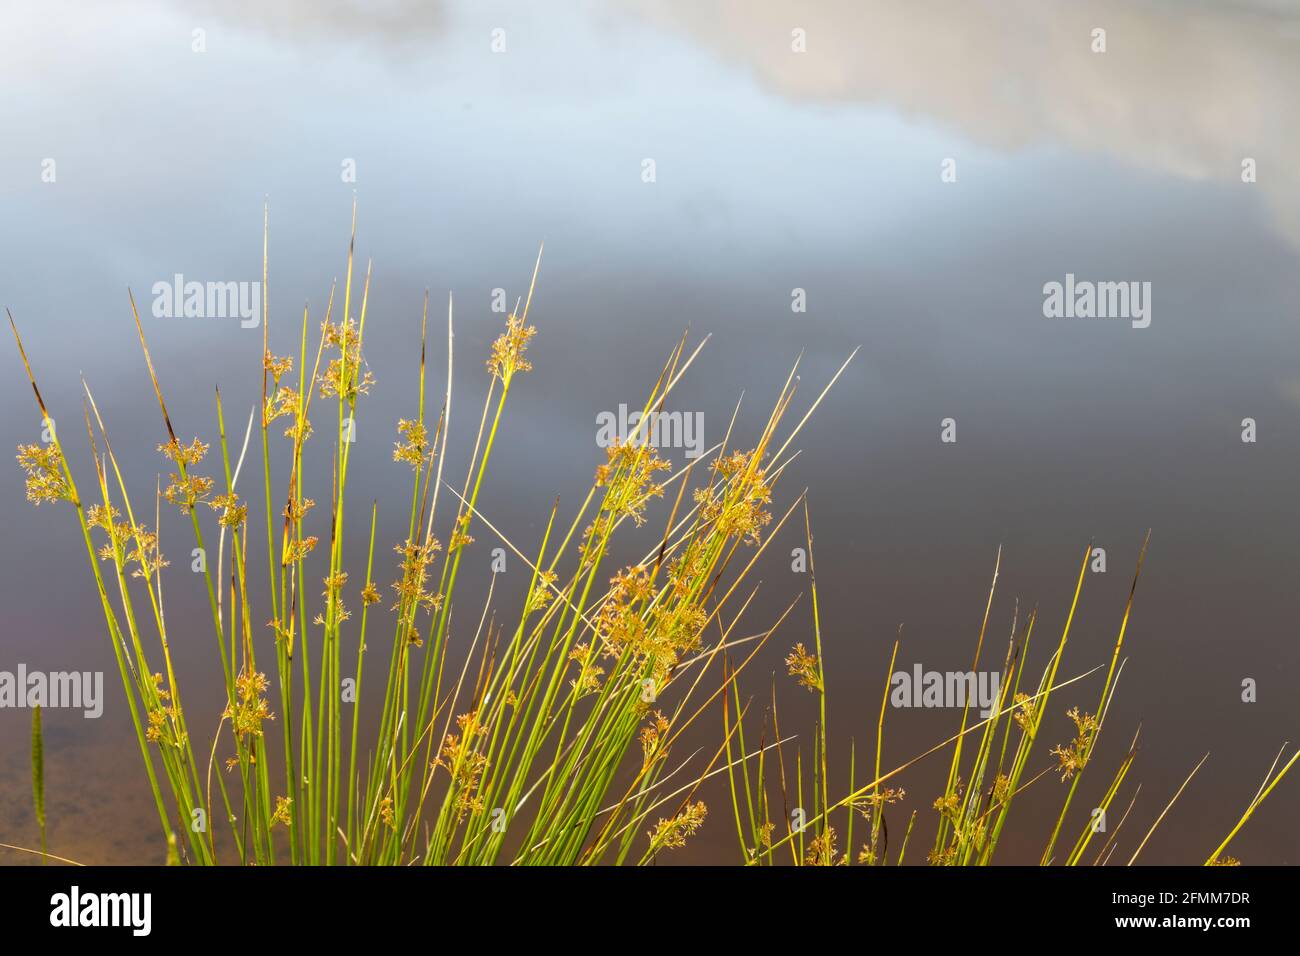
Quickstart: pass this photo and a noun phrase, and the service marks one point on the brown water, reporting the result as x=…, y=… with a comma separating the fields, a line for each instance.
x=774, y=171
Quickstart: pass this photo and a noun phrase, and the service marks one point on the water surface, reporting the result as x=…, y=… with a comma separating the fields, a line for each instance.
x=774, y=171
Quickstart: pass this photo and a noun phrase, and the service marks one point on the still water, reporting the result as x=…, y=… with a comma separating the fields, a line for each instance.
x=907, y=184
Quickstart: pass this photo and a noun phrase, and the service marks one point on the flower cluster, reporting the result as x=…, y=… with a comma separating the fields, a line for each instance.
x=1024, y=712
x=45, y=478
x=345, y=377
x=1074, y=757
x=672, y=833
x=163, y=717
x=249, y=708
x=282, y=813
x=461, y=759
x=412, y=587
x=285, y=401
x=738, y=511
x=627, y=475
x=508, y=350
x=588, y=679
x=460, y=536
x=821, y=850
x=652, y=736
x=278, y=367
x=295, y=551
x=803, y=665
x=656, y=637
x=186, y=490
x=415, y=442
x=541, y=595
x=232, y=512
x=144, y=554
x=333, y=595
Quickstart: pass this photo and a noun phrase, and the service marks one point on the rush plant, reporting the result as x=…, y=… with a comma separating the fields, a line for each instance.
x=547, y=738
x=551, y=735
x=981, y=786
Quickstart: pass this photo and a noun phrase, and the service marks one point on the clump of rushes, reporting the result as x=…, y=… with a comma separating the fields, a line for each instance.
x=541, y=739
x=972, y=810
x=551, y=742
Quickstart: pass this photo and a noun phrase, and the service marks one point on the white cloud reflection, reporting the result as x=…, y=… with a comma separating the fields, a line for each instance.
x=1185, y=88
